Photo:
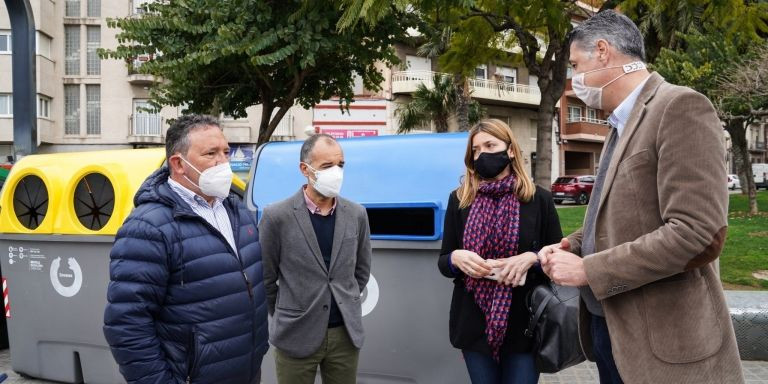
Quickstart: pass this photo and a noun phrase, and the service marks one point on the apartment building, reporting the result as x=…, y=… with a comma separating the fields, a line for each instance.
x=505, y=91
x=580, y=133
x=86, y=103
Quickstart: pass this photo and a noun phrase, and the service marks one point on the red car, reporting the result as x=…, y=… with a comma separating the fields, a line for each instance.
x=573, y=188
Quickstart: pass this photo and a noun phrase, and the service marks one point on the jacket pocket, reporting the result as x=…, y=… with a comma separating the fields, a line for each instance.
x=289, y=312
x=193, y=356
x=634, y=160
x=683, y=324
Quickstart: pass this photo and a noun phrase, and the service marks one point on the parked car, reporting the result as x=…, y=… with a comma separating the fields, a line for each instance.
x=760, y=174
x=733, y=182
x=574, y=188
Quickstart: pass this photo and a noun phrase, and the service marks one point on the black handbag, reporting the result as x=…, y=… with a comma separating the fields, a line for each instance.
x=554, y=326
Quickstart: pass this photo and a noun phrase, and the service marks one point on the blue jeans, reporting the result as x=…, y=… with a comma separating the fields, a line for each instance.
x=516, y=368
x=601, y=344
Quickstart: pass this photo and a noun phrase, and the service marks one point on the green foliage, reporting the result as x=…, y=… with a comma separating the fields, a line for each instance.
x=664, y=22
x=746, y=243
x=538, y=30
x=743, y=88
x=227, y=55
x=474, y=43
x=369, y=11
x=698, y=66
x=436, y=104
x=571, y=218
x=704, y=45
x=745, y=247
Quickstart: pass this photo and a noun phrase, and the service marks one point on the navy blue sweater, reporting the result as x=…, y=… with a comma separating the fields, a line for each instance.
x=324, y=228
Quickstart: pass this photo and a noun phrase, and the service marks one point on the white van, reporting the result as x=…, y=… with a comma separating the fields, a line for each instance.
x=760, y=173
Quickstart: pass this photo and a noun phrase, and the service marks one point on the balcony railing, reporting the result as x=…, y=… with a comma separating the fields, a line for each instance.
x=580, y=119
x=147, y=125
x=408, y=82
x=135, y=76
x=579, y=128
x=136, y=6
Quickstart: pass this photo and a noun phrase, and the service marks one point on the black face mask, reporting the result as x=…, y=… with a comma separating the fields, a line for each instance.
x=489, y=165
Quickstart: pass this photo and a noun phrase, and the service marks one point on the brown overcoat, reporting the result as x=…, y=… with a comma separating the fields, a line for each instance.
x=660, y=227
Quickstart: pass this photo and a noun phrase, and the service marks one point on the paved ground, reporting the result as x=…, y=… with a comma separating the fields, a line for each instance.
x=755, y=372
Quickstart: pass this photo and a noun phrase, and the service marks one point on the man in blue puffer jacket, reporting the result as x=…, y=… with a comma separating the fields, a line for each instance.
x=186, y=301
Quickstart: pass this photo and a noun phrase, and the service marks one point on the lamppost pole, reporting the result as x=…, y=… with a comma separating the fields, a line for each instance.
x=24, y=81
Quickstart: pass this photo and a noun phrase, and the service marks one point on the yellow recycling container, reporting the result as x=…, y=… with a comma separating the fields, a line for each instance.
x=58, y=219
x=75, y=193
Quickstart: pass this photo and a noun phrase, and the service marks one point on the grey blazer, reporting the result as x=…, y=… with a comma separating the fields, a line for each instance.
x=298, y=284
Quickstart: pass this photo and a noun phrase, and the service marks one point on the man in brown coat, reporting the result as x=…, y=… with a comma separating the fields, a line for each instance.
x=653, y=309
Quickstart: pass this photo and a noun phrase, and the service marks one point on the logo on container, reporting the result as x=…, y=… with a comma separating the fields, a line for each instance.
x=74, y=277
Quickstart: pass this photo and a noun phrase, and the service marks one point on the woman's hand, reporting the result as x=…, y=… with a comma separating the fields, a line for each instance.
x=511, y=270
x=470, y=263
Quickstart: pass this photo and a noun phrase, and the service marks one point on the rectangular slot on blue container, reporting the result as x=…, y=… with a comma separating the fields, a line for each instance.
x=414, y=221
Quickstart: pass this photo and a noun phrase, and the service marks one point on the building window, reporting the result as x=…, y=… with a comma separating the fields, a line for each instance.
x=71, y=109
x=5, y=42
x=574, y=113
x=6, y=105
x=506, y=74
x=93, y=109
x=94, y=8
x=72, y=8
x=44, y=107
x=481, y=72
x=44, y=43
x=72, y=50
x=147, y=121
x=93, y=61
x=418, y=63
x=592, y=115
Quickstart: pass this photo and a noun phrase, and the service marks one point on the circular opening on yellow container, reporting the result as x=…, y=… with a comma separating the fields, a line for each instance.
x=94, y=201
x=30, y=201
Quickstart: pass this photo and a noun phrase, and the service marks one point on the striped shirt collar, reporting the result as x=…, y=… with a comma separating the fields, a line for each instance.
x=313, y=208
x=191, y=197
x=216, y=215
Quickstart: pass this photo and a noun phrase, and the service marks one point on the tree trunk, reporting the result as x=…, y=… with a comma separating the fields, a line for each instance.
x=543, y=170
x=264, y=125
x=462, y=102
x=737, y=129
x=215, y=109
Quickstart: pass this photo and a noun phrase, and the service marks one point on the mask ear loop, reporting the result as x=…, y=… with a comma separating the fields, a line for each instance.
x=627, y=68
x=190, y=164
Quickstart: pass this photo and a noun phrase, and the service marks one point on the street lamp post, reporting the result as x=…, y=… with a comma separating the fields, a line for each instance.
x=24, y=82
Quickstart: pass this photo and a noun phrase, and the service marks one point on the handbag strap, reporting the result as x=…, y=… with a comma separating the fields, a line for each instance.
x=535, y=318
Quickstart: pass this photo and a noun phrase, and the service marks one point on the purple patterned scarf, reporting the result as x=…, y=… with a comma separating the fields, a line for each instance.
x=492, y=231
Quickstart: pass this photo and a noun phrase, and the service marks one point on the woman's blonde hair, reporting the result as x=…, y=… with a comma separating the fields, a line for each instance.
x=524, y=188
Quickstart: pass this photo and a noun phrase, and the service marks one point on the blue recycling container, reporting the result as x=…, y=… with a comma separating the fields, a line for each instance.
x=404, y=182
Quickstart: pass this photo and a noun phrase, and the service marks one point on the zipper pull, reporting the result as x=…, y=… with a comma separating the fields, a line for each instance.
x=248, y=285
x=189, y=379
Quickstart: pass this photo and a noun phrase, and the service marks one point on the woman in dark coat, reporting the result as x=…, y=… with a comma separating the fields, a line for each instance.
x=495, y=223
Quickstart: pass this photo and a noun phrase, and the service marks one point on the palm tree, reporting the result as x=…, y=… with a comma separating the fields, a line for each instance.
x=436, y=105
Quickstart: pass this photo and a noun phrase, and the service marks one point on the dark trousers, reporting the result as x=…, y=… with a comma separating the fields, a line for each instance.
x=514, y=368
x=601, y=344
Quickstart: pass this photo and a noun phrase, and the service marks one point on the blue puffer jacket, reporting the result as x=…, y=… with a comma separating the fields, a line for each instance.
x=182, y=306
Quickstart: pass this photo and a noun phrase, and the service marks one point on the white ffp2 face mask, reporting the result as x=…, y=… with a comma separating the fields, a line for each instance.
x=593, y=96
x=327, y=181
x=214, y=181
